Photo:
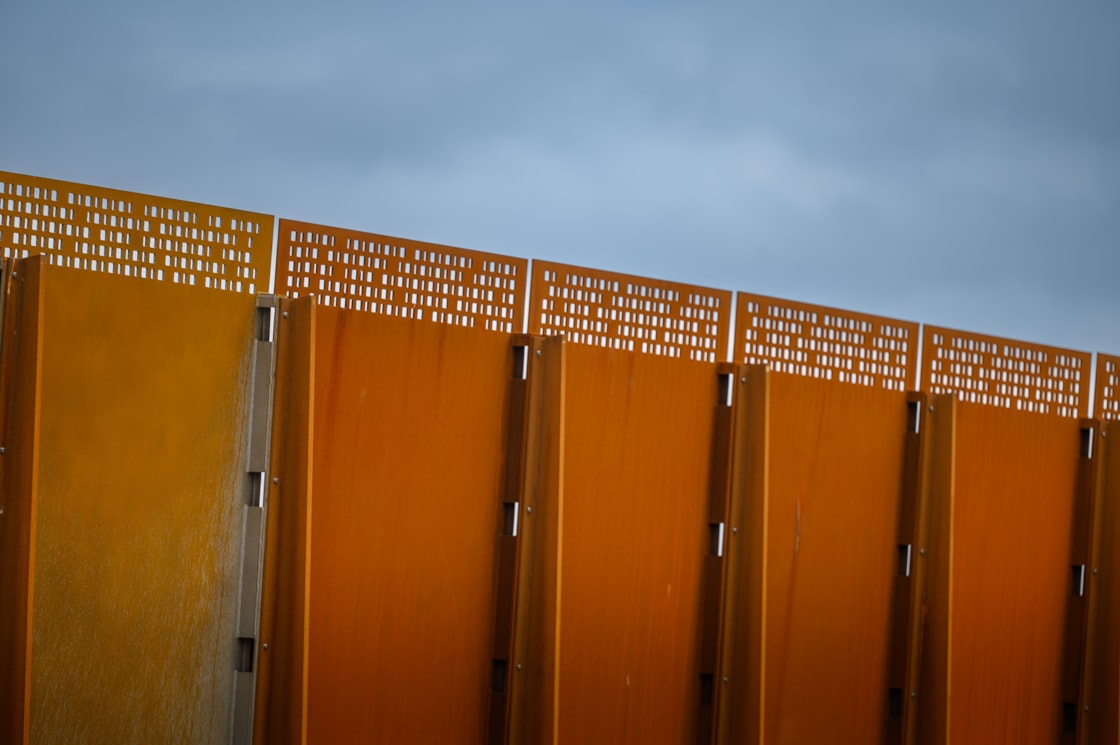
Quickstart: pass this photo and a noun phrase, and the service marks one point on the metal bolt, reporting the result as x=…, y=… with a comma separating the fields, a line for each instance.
x=1, y=511
x=1086, y=707
x=931, y=407
x=913, y=694
x=285, y=314
x=538, y=353
x=15, y=275
x=2, y=451
x=518, y=665
x=1104, y=434
x=276, y=479
x=265, y=646
x=742, y=380
x=1096, y=570
x=734, y=530
x=725, y=681
x=528, y=509
x=921, y=552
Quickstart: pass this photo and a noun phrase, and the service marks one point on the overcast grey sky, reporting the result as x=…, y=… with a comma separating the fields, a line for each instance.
x=956, y=163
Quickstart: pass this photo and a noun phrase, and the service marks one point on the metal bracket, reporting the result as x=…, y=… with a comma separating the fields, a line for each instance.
x=263, y=383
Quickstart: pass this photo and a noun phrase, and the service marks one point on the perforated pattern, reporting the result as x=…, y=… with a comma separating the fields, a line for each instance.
x=118, y=232
x=618, y=311
x=1108, y=387
x=1000, y=372
x=398, y=277
x=818, y=342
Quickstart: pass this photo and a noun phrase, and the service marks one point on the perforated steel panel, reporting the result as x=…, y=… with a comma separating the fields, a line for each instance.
x=1107, y=397
x=135, y=235
x=400, y=277
x=1008, y=374
x=826, y=343
x=619, y=311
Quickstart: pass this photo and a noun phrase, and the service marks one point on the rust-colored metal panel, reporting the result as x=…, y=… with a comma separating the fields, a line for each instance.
x=137, y=522
x=1015, y=489
x=282, y=680
x=1107, y=398
x=741, y=681
x=826, y=343
x=638, y=438
x=1101, y=683
x=835, y=481
x=535, y=694
x=635, y=314
x=396, y=276
x=1015, y=375
x=409, y=421
x=134, y=235
x=928, y=717
x=20, y=397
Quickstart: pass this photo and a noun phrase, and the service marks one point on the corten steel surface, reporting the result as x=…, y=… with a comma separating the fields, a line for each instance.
x=281, y=705
x=826, y=343
x=835, y=483
x=636, y=314
x=636, y=468
x=137, y=507
x=20, y=397
x=1101, y=684
x=409, y=421
x=535, y=678
x=136, y=235
x=927, y=714
x=1107, y=399
x=1010, y=374
x=401, y=277
x=741, y=700
x=1013, y=509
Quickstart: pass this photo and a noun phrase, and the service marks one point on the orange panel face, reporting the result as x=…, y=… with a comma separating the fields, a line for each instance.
x=134, y=235
x=635, y=314
x=1015, y=486
x=826, y=343
x=145, y=394
x=637, y=452
x=836, y=473
x=409, y=424
x=400, y=277
x=1014, y=375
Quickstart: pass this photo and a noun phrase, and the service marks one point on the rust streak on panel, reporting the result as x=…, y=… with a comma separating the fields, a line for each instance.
x=21, y=391
x=281, y=705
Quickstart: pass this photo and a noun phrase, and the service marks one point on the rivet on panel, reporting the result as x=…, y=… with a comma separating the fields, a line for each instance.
x=265, y=646
x=725, y=681
x=285, y=314
x=1096, y=570
x=276, y=479
x=913, y=694
x=742, y=380
x=529, y=509
x=931, y=407
x=921, y=552
x=518, y=666
x=2, y=451
x=734, y=531
x=538, y=353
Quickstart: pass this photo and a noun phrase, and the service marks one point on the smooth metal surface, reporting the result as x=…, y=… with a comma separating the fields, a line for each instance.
x=535, y=686
x=826, y=343
x=1015, y=375
x=134, y=235
x=408, y=432
x=282, y=659
x=837, y=458
x=137, y=528
x=21, y=398
x=1101, y=681
x=400, y=277
x=1015, y=490
x=636, y=469
x=628, y=313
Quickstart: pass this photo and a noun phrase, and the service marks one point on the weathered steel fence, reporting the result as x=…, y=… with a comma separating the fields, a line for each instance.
x=431, y=495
